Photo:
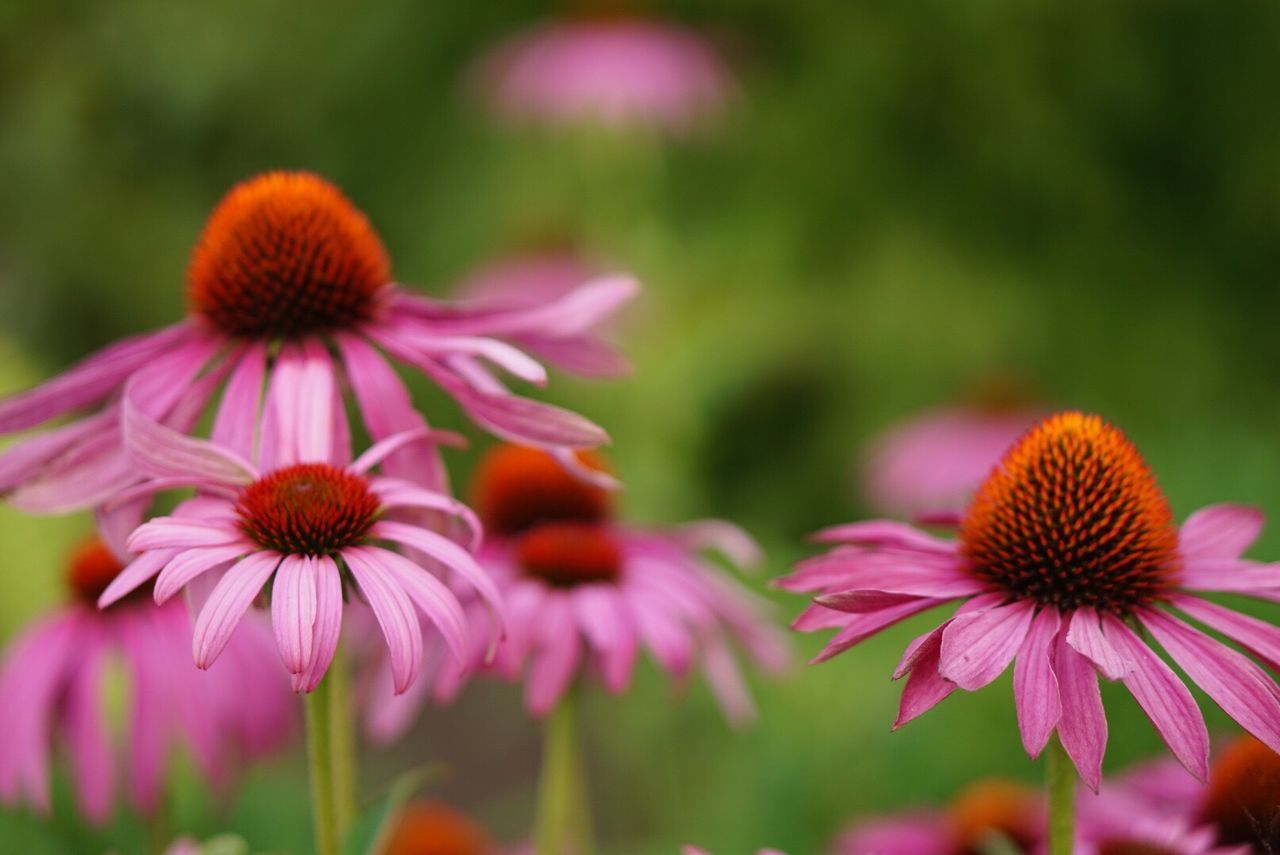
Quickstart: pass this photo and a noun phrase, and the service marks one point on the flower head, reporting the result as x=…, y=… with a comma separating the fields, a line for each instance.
x=291, y=305
x=431, y=828
x=53, y=689
x=624, y=72
x=1065, y=554
x=309, y=533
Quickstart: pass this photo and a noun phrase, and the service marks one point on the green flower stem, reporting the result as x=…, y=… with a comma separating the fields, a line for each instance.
x=331, y=758
x=1060, y=781
x=563, y=823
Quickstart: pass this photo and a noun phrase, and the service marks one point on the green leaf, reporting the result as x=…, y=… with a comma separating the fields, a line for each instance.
x=372, y=831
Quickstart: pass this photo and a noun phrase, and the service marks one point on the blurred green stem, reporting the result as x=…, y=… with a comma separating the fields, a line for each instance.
x=1061, y=784
x=330, y=758
x=563, y=823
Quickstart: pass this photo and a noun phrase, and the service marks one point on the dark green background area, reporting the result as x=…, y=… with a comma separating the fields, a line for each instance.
x=908, y=197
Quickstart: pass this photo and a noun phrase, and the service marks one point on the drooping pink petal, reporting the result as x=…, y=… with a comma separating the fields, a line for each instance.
x=189, y=564
x=386, y=408
x=667, y=639
x=396, y=494
x=1084, y=633
x=1164, y=699
x=1237, y=685
x=978, y=647
x=117, y=520
x=503, y=355
x=1035, y=685
x=293, y=610
x=179, y=533
x=897, y=591
x=861, y=627
x=885, y=533
x=316, y=391
x=924, y=643
x=726, y=681
x=435, y=599
x=86, y=732
x=606, y=623
x=234, y=593
x=236, y=424
x=24, y=460
x=1261, y=638
x=1082, y=728
x=926, y=687
x=394, y=612
x=1219, y=531
x=88, y=382
x=387, y=446
x=555, y=659
x=328, y=624
x=1232, y=576
x=729, y=540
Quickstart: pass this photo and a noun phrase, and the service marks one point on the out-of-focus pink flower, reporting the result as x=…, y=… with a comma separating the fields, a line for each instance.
x=290, y=289
x=537, y=278
x=309, y=529
x=986, y=809
x=586, y=594
x=52, y=690
x=1242, y=802
x=934, y=461
x=617, y=72
x=1068, y=541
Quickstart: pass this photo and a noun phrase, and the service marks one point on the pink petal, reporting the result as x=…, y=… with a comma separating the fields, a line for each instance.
x=328, y=624
x=435, y=599
x=862, y=627
x=895, y=592
x=726, y=681
x=138, y=571
x=1261, y=638
x=293, y=610
x=24, y=460
x=1220, y=531
x=315, y=394
x=1237, y=685
x=191, y=563
x=232, y=597
x=387, y=409
x=606, y=623
x=388, y=446
x=978, y=647
x=738, y=547
x=164, y=453
x=1084, y=633
x=509, y=358
x=1035, y=686
x=885, y=533
x=397, y=494
x=394, y=611
x=926, y=687
x=1083, y=726
x=178, y=533
x=555, y=661
x=86, y=732
x=1164, y=698
x=666, y=638
x=236, y=423
x=88, y=382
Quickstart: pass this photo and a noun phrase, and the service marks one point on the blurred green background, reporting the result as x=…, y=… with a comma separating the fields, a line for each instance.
x=906, y=198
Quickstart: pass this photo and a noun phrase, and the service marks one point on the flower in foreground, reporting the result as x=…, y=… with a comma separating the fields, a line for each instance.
x=310, y=532
x=54, y=689
x=290, y=289
x=432, y=828
x=1064, y=559
x=616, y=72
x=934, y=461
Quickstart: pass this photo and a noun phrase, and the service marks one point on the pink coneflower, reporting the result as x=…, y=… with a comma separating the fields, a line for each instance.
x=586, y=594
x=1065, y=554
x=1242, y=802
x=617, y=72
x=934, y=461
x=1134, y=814
x=310, y=528
x=53, y=689
x=986, y=810
x=290, y=289
x=432, y=828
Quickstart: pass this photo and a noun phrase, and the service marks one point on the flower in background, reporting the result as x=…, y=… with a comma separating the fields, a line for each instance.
x=1242, y=802
x=586, y=594
x=290, y=289
x=619, y=72
x=539, y=277
x=933, y=461
x=432, y=828
x=54, y=688
x=985, y=811
x=309, y=531
x=1066, y=547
